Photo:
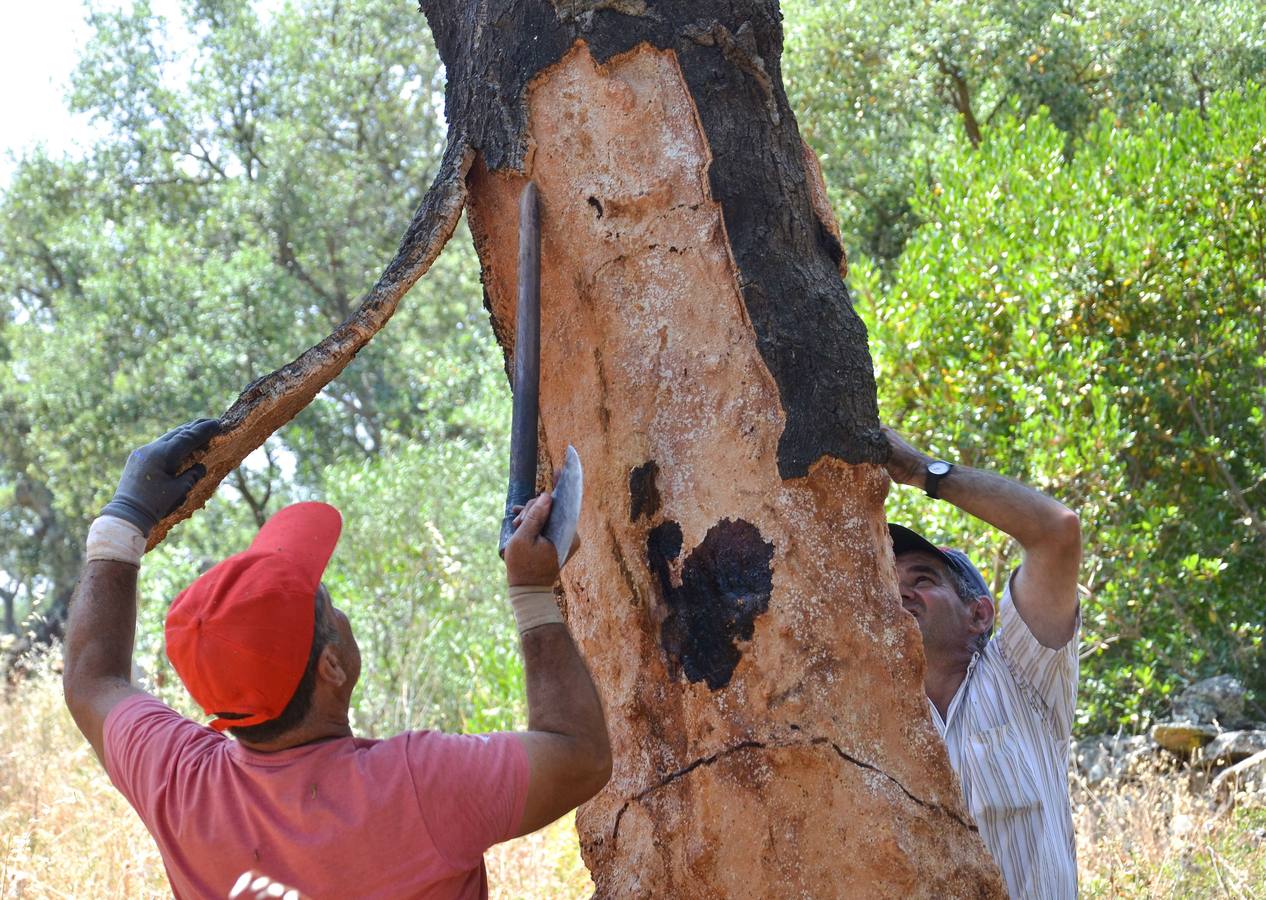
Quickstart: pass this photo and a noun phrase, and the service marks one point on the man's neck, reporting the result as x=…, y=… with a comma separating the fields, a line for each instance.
x=307, y=732
x=942, y=679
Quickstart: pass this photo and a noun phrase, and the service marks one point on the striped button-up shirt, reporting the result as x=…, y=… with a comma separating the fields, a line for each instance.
x=1007, y=731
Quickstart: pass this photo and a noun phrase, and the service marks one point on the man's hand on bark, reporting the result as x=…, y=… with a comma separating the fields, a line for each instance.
x=152, y=484
x=905, y=464
x=534, y=561
x=529, y=559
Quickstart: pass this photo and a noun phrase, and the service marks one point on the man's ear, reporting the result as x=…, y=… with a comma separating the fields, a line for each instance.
x=982, y=613
x=330, y=667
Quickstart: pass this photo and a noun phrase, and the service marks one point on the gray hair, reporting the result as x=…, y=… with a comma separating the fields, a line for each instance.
x=968, y=592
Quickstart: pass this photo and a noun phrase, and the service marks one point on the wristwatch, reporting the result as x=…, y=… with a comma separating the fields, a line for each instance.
x=936, y=470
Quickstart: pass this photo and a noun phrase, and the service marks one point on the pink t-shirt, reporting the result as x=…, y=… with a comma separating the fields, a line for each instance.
x=346, y=817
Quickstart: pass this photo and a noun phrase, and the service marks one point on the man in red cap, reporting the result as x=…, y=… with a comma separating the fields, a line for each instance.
x=1004, y=704
x=262, y=649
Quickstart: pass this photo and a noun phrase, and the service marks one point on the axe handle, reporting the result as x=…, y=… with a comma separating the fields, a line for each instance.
x=527, y=363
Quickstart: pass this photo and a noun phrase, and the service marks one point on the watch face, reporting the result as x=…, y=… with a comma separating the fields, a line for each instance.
x=939, y=467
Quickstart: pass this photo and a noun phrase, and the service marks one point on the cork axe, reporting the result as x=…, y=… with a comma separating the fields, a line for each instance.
x=560, y=529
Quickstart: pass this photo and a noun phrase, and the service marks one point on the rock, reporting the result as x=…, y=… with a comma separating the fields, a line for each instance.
x=1247, y=777
x=1219, y=699
x=1106, y=756
x=1183, y=737
x=1091, y=758
x=1234, y=746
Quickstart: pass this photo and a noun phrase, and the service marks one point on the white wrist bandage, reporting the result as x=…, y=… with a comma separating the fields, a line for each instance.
x=113, y=538
x=533, y=607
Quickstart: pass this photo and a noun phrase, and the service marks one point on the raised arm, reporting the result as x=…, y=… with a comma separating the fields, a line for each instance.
x=1045, y=587
x=566, y=740
x=101, y=632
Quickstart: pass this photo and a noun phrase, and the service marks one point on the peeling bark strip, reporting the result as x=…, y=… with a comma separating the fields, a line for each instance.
x=730, y=56
x=270, y=402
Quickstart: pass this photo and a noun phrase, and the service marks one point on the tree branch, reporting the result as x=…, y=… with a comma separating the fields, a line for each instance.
x=1228, y=477
x=960, y=98
x=258, y=507
x=287, y=260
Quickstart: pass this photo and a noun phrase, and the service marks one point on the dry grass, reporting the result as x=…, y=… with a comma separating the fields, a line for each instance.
x=1160, y=835
x=65, y=832
x=543, y=864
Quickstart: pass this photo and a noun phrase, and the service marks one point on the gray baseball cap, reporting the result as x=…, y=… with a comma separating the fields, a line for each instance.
x=905, y=540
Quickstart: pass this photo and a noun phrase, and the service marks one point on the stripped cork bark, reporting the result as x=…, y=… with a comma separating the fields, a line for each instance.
x=735, y=595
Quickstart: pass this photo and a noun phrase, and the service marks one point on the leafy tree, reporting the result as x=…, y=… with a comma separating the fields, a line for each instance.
x=1095, y=326
x=883, y=89
x=246, y=192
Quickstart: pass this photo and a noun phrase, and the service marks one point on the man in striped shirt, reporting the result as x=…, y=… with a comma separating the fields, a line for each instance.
x=1004, y=704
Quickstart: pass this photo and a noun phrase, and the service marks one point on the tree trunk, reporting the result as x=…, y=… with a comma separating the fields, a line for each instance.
x=10, y=620
x=735, y=596
x=61, y=558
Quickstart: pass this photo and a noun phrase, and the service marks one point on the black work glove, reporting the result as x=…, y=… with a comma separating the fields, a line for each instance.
x=151, y=487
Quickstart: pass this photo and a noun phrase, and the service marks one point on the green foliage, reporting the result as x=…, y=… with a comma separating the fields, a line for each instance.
x=248, y=192
x=418, y=574
x=250, y=188
x=883, y=89
x=1096, y=327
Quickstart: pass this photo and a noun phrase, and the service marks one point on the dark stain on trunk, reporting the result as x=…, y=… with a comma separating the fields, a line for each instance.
x=725, y=584
x=643, y=492
x=730, y=55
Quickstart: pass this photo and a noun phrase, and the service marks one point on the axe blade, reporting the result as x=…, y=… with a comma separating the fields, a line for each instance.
x=564, y=514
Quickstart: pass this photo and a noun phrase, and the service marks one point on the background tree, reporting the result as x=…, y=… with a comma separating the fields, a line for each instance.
x=884, y=89
x=254, y=170
x=1095, y=325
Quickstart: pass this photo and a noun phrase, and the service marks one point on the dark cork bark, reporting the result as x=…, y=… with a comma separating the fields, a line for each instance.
x=730, y=54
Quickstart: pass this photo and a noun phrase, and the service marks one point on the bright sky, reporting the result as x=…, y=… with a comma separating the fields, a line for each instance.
x=38, y=47
x=40, y=43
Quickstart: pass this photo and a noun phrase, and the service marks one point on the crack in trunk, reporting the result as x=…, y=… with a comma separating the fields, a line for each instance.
x=936, y=807
x=779, y=745
x=673, y=776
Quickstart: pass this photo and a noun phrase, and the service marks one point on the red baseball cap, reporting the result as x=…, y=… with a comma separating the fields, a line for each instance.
x=240, y=636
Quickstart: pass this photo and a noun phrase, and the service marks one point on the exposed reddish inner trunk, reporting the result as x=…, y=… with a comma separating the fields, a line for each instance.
x=763, y=686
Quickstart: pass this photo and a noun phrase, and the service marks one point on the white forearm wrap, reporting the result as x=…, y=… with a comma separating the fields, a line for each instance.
x=113, y=538
x=533, y=607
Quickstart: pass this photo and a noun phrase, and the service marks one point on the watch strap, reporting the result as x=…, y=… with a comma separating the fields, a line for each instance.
x=932, y=479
